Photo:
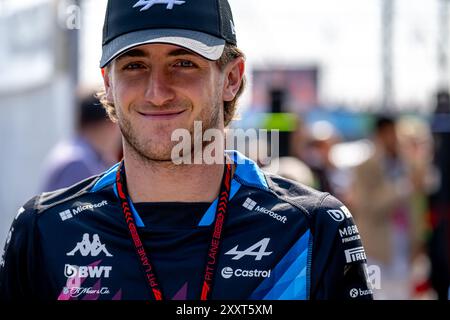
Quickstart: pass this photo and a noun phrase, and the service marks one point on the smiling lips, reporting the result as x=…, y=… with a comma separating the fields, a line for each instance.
x=162, y=115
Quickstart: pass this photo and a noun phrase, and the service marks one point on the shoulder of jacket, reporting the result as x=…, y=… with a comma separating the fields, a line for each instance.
x=47, y=200
x=297, y=194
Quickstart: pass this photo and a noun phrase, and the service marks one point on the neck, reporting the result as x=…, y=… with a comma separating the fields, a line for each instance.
x=166, y=182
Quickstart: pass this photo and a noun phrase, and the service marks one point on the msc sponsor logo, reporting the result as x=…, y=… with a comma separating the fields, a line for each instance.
x=75, y=292
x=85, y=247
x=349, y=233
x=340, y=214
x=71, y=271
x=355, y=254
x=251, y=205
x=68, y=214
x=358, y=292
x=228, y=272
x=251, y=251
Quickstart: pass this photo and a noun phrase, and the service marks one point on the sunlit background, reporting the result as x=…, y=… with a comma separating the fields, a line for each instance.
x=329, y=65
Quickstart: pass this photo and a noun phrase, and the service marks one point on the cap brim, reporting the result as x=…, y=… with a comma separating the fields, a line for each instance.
x=206, y=45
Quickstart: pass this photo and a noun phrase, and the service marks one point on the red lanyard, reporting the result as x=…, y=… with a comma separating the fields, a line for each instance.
x=214, y=247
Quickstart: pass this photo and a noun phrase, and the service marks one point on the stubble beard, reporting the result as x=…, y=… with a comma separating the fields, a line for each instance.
x=149, y=150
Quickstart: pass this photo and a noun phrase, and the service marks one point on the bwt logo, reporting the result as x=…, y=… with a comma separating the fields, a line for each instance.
x=71, y=271
x=340, y=215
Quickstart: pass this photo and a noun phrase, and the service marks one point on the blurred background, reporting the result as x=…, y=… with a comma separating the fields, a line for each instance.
x=358, y=90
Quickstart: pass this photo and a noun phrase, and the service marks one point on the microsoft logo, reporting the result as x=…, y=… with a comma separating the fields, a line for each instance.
x=68, y=214
x=65, y=215
x=249, y=204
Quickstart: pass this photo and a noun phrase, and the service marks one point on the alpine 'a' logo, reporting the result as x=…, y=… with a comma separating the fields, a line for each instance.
x=262, y=245
x=147, y=4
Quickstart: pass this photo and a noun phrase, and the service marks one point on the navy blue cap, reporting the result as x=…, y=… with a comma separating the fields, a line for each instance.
x=202, y=26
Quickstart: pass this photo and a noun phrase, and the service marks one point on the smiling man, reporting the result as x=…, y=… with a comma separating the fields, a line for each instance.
x=150, y=229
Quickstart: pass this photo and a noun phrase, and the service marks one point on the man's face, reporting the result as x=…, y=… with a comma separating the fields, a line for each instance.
x=158, y=88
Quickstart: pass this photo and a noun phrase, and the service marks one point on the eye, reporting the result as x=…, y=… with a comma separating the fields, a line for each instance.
x=185, y=64
x=133, y=66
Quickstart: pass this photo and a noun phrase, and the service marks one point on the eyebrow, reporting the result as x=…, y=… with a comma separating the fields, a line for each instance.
x=132, y=53
x=181, y=52
x=138, y=53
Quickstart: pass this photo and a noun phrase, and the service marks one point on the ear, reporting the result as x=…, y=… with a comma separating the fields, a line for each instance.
x=107, y=82
x=234, y=72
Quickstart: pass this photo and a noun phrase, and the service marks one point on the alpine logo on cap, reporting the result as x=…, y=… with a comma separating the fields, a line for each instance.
x=147, y=4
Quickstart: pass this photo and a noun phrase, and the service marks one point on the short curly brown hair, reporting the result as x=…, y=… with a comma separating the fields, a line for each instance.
x=229, y=54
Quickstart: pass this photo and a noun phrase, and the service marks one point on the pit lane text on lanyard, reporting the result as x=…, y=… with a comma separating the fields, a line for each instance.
x=214, y=246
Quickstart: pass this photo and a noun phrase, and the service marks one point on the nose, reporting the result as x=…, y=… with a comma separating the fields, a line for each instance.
x=159, y=90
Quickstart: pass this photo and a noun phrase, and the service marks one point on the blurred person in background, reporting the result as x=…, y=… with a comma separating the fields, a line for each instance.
x=381, y=195
x=291, y=168
x=95, y=147
x=416, y=151
x=321, y=136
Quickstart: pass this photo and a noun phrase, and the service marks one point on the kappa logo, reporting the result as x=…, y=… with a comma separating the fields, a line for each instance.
x=262, y=245
x=250, y=205
x=68, y=214
x=340, y=215
x=86, y=247
x=147, y=4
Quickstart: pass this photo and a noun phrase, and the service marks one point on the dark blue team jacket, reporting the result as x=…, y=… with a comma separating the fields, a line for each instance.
x=282, y=241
